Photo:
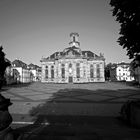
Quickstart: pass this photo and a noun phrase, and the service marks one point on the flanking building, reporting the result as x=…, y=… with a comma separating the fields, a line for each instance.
x=23, y=70
x=11, y=75
x=121, y=72
x=72, y=65
x=35, y=71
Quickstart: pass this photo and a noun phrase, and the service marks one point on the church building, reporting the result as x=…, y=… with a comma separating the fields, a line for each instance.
x=72, y=65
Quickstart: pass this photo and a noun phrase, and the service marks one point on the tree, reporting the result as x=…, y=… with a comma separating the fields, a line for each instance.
x=5, y=117
x=109, y=71
x=3, y=65
x=127, y=13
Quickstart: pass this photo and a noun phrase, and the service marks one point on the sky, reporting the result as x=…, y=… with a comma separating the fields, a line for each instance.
x=32, y=29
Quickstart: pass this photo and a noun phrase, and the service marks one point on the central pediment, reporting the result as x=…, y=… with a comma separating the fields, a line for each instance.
x=73, y=51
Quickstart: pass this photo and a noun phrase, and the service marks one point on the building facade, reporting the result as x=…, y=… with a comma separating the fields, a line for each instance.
x=11, y=75
x=35, y=71
x=23, y=70
x=121, y=72
x=73, y=65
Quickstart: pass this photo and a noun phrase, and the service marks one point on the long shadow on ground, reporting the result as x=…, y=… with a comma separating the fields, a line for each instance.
x=20, y=85
x=69, y=114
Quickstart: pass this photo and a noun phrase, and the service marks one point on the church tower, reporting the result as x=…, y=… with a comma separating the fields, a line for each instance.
x=74, y=40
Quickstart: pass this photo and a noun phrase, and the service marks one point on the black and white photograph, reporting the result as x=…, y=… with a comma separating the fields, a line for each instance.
x=69, y=69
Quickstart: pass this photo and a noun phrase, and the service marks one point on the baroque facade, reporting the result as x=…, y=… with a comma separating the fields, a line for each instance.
x=73, y=65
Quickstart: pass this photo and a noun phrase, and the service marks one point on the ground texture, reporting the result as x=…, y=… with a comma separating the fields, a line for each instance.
x=71, y=111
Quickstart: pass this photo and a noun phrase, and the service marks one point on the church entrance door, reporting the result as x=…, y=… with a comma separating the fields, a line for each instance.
x=70, y=79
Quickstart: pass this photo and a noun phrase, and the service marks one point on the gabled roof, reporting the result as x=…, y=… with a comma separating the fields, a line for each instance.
x=76, y=52
x=19, y=63
x=32, y=66
x=89, y=54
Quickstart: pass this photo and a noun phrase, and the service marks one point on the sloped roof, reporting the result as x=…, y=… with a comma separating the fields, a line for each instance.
x=76, y=52
x=73, y=49
x=123, y=63
x=89, y=54
x=19, y=63
x=33, y=66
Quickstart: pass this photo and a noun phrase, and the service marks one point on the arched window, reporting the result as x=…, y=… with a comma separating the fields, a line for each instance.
x=91, y=71
x=46, y=72
x=78, y=70
x=52, y=72
x=98, y=70
x=63, y=70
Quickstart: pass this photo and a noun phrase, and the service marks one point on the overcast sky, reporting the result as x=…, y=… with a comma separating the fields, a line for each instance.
x=30, y=29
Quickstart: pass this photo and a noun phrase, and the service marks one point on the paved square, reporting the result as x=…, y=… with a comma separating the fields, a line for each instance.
x=97, y=99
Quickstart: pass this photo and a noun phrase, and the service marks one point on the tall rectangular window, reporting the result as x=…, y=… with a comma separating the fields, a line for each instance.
x=91, y=71
x=98, y=70
x=78, y=70
x=63, y=71
x=46, y=72
x=52, y=72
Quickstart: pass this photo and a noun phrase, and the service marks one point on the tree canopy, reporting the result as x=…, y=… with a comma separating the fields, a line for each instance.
x=3, y=65
x=127, y=13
